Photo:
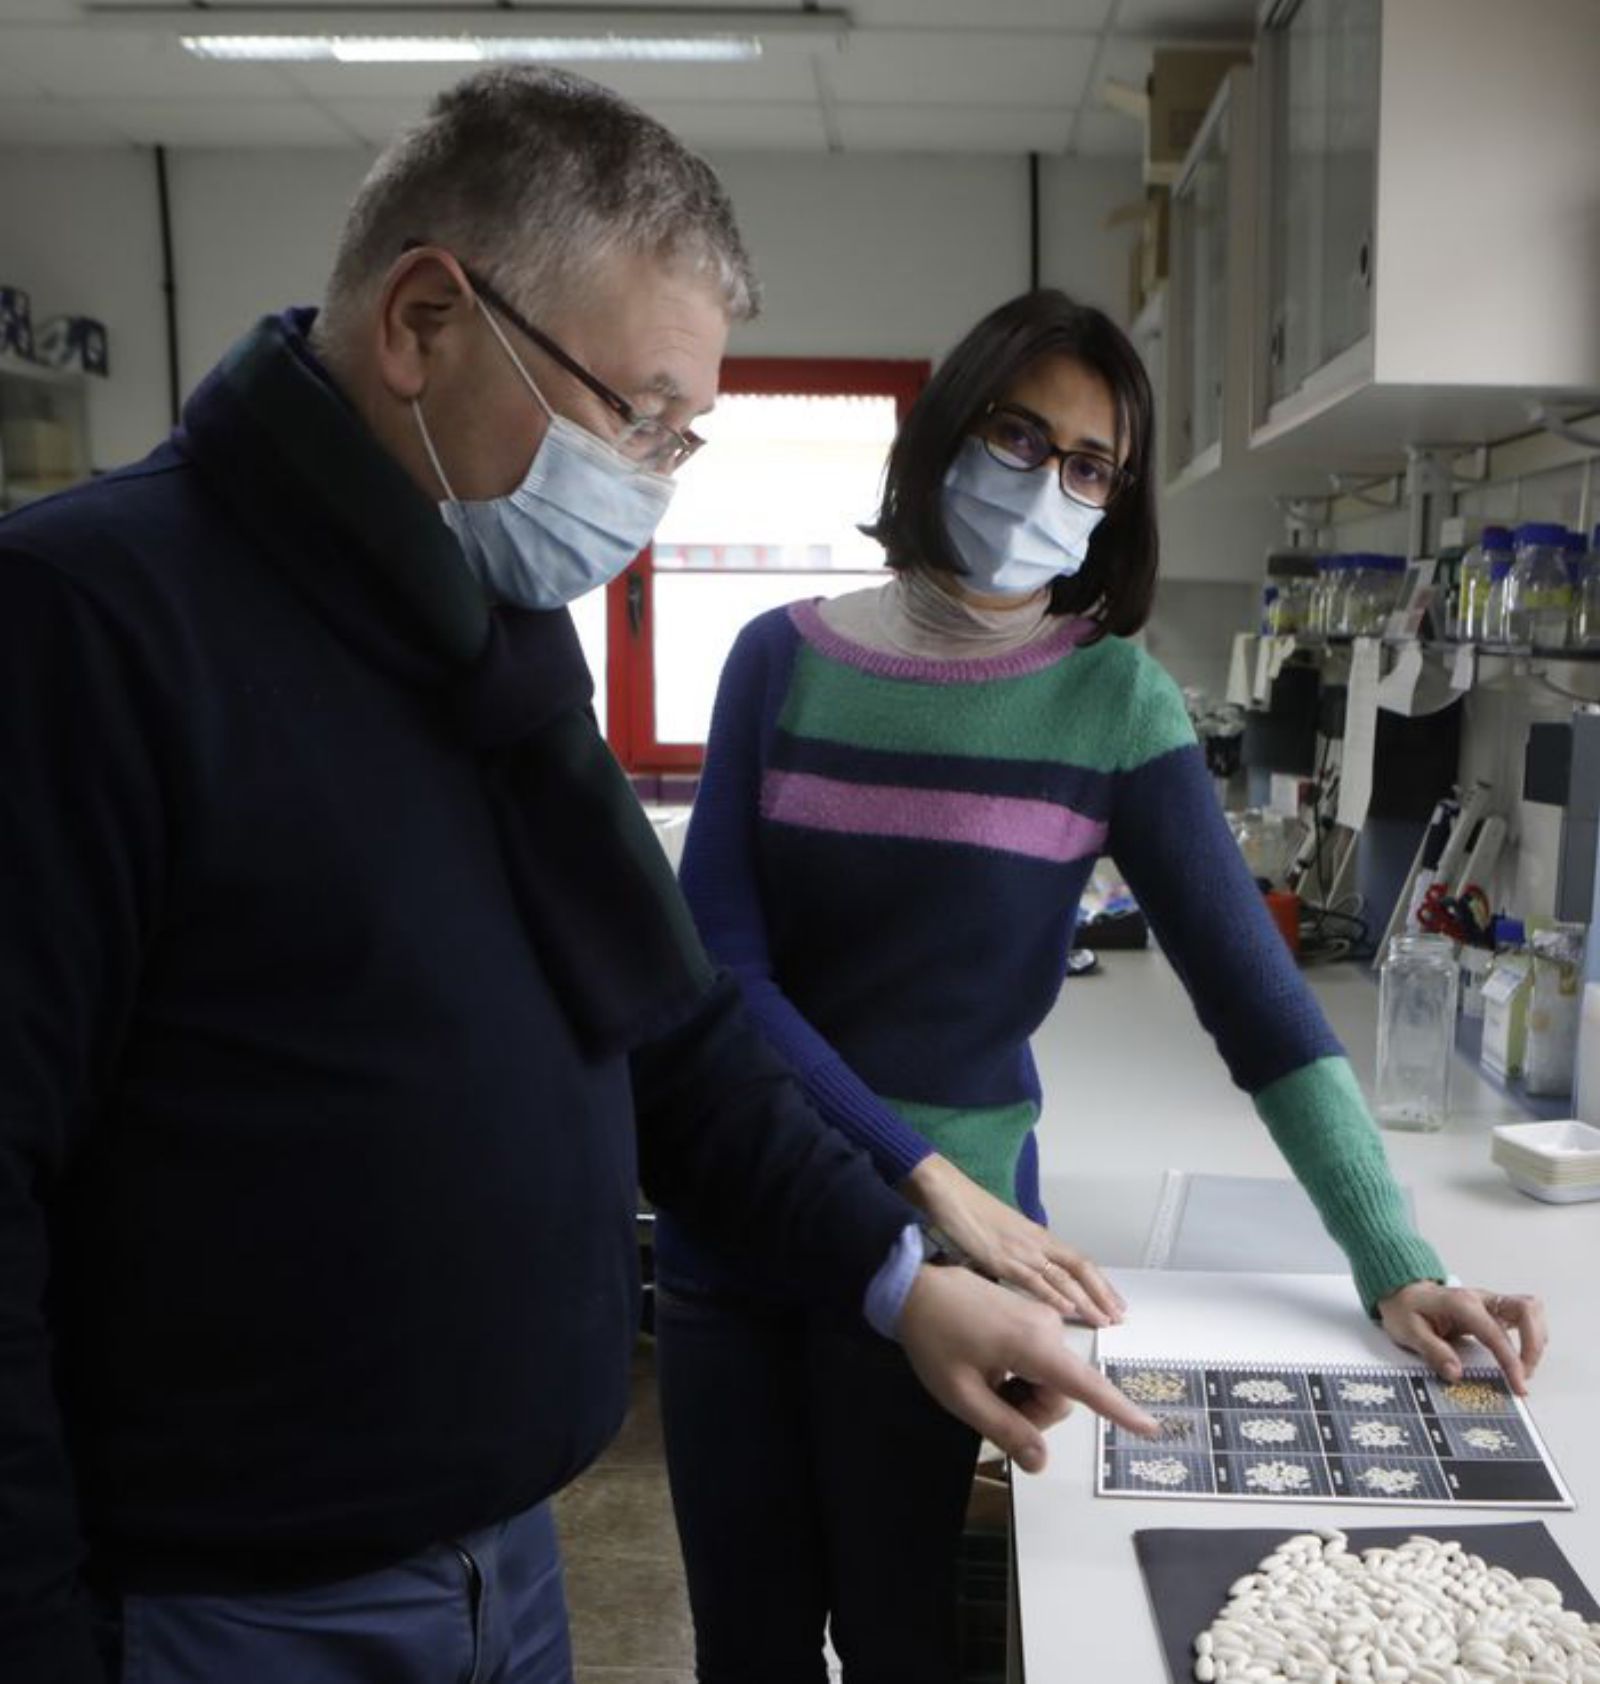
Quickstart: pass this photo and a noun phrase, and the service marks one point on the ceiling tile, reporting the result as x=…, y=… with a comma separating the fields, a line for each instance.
x=962, y=67
x=1194, y=20
x=746, y=126
x=786, y=75
x=167, y=122
x=967, y=128
x=118, y=64
x=1081, y=16
x=376, y=121
x=1108, y=134
x=53, y=123
x=15, y=86
x=757, y=127
x=1126, y=59
x=38, y=11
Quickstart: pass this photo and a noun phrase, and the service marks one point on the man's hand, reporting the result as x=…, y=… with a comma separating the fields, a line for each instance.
x=999, y=1362
x=1424, y=1317
x=1007, y=1246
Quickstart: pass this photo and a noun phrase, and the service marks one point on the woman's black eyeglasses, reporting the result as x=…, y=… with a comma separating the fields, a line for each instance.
x=655, y=446
x=1015, y=439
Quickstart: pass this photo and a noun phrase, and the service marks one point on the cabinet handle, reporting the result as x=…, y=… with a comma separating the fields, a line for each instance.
x=1364, y=262
x=1275, y=346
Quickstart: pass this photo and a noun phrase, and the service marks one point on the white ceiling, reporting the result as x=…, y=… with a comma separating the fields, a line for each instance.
x=912, y=75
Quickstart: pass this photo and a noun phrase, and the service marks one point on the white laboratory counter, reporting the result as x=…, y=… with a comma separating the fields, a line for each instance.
x=1133, y=1087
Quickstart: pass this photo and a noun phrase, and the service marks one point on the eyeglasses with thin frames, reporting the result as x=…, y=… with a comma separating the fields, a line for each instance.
x=1016, y=440
x=651, y=443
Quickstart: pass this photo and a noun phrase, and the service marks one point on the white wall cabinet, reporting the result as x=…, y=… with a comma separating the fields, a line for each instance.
x=1429, y=263
x=1206, y=389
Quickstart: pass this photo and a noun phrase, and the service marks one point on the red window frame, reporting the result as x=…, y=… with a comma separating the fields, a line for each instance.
x=630, y=600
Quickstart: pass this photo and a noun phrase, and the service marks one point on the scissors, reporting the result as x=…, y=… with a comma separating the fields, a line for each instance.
x=1464, y=917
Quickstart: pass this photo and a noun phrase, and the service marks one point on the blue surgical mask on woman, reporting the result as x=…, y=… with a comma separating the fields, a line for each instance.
x=1014, y=531
x=582, y=512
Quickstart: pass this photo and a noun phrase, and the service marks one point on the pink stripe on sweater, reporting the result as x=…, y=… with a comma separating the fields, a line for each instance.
x=1042, y=830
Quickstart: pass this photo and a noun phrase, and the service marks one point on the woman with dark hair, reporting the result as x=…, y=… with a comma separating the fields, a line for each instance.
x=905, y=791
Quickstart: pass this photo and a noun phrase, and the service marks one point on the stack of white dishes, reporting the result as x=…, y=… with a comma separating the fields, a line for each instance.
x=1557, y=1162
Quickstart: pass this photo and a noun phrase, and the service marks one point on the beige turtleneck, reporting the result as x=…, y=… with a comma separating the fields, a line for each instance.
x=912, y=615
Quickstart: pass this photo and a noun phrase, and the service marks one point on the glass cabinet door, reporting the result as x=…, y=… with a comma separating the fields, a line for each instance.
x=1200, y=222
x=1350, y=165
x=1322, y=182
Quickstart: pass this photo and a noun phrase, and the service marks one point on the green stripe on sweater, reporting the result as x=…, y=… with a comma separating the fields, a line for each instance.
x=1106, y=708
x=983, y=1143
x=1319, y=1119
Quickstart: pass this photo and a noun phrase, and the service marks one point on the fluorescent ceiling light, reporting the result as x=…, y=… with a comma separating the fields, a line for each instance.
x=475, y=49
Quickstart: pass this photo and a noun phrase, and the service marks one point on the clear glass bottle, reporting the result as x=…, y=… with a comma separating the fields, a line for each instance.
x=1385, y=581
x=1538, y=600
x=1586, y=599
x=1417, y=991
x=1331, y=612
x=1494, y=618
x=1353, y=594
x=1476, y=565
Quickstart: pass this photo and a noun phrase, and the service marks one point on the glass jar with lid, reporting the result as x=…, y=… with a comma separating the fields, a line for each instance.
x=1538, y=597
x=1477, y=566
x=1417, y=991
x=1586, y=599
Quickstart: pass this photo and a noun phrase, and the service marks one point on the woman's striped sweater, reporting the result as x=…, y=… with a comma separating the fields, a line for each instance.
x=889, y=853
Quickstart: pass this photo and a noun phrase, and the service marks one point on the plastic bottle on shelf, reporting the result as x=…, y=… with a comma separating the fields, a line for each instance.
x=1538, y=598
x=1476, y=565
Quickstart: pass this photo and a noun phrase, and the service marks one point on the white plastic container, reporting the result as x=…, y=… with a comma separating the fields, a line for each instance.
x=1554, y=1009
x=1505, y=1015
x=1558, y=1162
x=1586, y=1084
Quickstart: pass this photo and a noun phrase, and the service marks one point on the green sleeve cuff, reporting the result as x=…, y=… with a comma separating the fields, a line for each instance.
x=1320, y=1122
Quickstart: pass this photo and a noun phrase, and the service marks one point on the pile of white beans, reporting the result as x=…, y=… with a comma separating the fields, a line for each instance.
x=1423, y=1613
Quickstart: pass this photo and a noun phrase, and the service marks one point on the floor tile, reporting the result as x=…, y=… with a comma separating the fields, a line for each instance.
x=631, y=1675
x=618, y=1512
x=628, y=1613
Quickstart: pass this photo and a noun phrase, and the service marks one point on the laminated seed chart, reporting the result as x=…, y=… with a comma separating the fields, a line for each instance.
x=1353, y=1434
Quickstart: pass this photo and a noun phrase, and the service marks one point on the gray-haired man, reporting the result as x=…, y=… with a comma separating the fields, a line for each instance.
x=344, y=997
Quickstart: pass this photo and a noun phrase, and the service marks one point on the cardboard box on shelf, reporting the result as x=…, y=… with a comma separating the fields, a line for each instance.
x=1183, y=83
x=1148, y=256
x=36, y=449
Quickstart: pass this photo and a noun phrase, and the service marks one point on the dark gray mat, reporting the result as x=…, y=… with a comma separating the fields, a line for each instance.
x=1187, y=1570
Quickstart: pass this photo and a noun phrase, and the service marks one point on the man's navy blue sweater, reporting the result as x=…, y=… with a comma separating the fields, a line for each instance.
x=316, y=1224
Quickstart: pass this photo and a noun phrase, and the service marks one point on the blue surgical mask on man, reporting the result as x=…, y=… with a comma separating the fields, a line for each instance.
x=581, y=514
x=1014, y=531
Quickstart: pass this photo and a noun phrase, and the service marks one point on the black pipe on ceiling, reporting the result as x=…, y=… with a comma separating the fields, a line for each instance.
x=1033, y=221
x=169, y=288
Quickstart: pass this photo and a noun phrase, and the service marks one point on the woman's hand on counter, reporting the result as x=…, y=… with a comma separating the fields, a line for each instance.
x=1007, y=1246
x=1425, y=1316
x=1002, y=1364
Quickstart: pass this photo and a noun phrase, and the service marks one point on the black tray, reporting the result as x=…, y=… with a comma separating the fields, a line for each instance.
x=1187, y=1570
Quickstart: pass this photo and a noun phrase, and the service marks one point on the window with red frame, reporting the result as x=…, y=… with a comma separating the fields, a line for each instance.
x=767, y=513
